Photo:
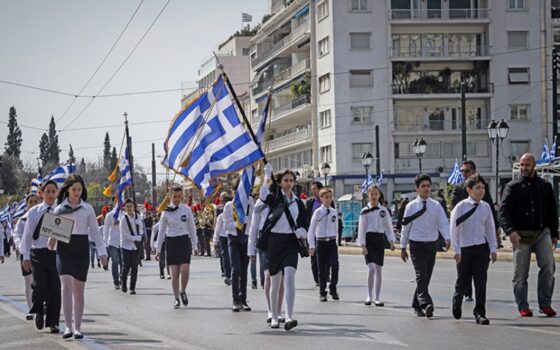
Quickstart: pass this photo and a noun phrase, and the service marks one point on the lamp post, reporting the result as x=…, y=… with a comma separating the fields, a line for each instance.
x=497, y=133
x=325, y=169
x=419, y=148
x=367, y=159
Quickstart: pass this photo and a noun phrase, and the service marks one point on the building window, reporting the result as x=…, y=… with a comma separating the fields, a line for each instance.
x=360, y=41
x=324, y=83
x=326, y=154
x=519, y=112
x=454, y=149
x=245, y=51
x=323, y=10
x=517, y=39
x=434, y=45
x=407, y=45
x=323, y=45
x=325, y=119
x=358, y=149
x=519, y=148
x=516, y=4
x=358, y=5
x=518, y=76
x=361, y=78
x=362, y=114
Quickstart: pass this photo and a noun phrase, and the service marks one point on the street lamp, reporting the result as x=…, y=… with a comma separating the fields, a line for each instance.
x=367, y=159
x=325, y=169
x=419, y=148
x=497, y=133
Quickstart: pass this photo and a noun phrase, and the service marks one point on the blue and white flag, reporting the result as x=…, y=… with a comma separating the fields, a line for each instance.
x=5, y=214
x=35, y=184
x=241, y=199
x=245, y=17
x=20, y=209
x=380, y=179
x=125, y=181
x=552, y=150
x=367, y=183
x=455, y=177
x=207, y=140
x=60, y=174
x=545, y=153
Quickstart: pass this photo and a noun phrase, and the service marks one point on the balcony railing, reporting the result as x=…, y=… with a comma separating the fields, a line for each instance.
x=472, y=88
x=439, y=14
x=287, y=73
x=293, y=104
x=474, y=123
x=442, y=51
x=283, y=141
x=295, y=34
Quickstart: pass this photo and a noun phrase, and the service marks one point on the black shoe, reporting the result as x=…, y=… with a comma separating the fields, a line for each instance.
x=161, y=277
x=323, y=298
x=379, y=303
x=281, y=320
x=54, y=329
x=254, y=286
x=124, y=289
x=430, y=311
x=482, y=320
x=117, y=286
x=316, y=284
x=235, y=307
x=290, y=324
x=39, y=320
x=457, y=312
x=227, y=281
x=274, y=325
x=419, y=312
x=78, y=335
x=469, y=298
x=268, y=320
x=67, y=335
x=29, y=317
x=223, y=275
x=177, y=304
x=334, y=295
x=184, y=298
x=132, y=292
x=245, y=307
x=367, y=302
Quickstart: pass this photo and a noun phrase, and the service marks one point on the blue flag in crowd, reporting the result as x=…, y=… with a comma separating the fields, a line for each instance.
x=380, y=179
x=455, y=177
x=367, y=183
x=545, y=153
x=125, y=181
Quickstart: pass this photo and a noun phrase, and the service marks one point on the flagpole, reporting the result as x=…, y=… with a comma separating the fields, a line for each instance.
x=130, y=159
x=241, y=110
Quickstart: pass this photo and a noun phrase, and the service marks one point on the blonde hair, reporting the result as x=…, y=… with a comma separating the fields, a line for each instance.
x=325, y=190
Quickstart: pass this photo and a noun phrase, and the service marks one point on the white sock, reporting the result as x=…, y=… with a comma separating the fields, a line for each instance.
x=275, y=282
x=370, y=280
x=28, y=280
x=377, y=271
x=289, y=290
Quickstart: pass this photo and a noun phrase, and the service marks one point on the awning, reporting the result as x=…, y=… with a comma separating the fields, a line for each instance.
x=302, y=12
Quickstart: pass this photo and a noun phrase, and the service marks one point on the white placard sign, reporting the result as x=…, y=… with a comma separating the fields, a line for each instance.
x=57, y=227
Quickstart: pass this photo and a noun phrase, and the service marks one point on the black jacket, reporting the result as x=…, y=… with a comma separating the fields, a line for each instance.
x=275, y=201
x=529, y=204
x=460, y=192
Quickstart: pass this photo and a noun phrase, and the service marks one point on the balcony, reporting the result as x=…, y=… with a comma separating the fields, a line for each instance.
x=290, y=140
x=292, y=110
x=439, y=53
x=475, y=123
x=286, y=41
x=284, y=76
x=436, y=87
x=438, y=15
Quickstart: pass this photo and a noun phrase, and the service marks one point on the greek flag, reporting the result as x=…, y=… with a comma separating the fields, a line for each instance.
x=245, y=17
x=60, y=174
x=455, y=177
x=552, y=151
x=380, y=179
x=241, y=199
x=20, y=209
x=5, y=214
x=545, y=153
x=35, y=184
x=207, y=140
x=367, y=183
x=126, y=180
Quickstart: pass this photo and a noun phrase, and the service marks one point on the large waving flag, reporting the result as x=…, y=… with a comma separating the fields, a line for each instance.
x=126, y=180
x=455, y=177
x=367, y=183
x=545, y=155
x=5, y=213
x=207, y=140
x=35, y=184
x=20, y=210
x=60, y=174
x=380, y=179
x=241, y=199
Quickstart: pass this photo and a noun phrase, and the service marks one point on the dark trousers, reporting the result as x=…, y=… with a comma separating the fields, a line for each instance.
x=314, y=269
x=130, y=263
x=116, y=263
x=207, y=236
x=473, y=266
x=239, y=263
x=327, y=257
x=423, y=257
x=225, y=256
x=162, y=260
x=147, y=248
x=46, y=286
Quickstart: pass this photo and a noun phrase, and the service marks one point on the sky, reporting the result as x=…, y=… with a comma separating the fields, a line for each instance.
x=58, y=44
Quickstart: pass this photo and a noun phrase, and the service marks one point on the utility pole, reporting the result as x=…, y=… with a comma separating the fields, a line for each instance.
x=130, y=158
x=154, y=174
x=555, y=69
x=377, y=160
x=463, y=120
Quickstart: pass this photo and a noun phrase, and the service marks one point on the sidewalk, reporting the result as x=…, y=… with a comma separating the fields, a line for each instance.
x=504, y=254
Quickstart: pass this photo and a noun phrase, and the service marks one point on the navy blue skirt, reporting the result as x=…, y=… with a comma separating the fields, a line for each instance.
x=282, y=251
x=73, y=258
x=178, y=250
x=375, y=244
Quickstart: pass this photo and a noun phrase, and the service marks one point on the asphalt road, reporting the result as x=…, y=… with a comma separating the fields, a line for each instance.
x=114, y=320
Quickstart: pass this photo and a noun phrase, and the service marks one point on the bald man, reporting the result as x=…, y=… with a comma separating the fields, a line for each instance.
x=528, y=215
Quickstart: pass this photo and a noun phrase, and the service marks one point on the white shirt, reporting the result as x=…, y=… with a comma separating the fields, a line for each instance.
x=229, y=223
x=426, y=227
x=282, y=226
x=2, y=243
x=175, y=223
x=257, y=223
x=324, y=224
x=127, y=237
x=375, y=221
x=85, y=223
x=27, y=242
x=477, y=229
x=153, y=237
x=219, y=228
x=111, y=230
x=18, y=231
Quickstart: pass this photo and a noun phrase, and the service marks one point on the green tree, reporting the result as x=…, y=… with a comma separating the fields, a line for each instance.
x=82, y=167
x=107, y=152
x=13, y=143
x=114, y=159
x=44, y=151
x=53, y=150
x=71, y=157
x=95, y=195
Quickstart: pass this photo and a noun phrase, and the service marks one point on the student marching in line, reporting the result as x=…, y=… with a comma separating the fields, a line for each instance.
x=41, y=261
x=153, y=244
x=323, y=229
x=112, y=239
x=72, y=258
x=374, y=225
x=220, y=243
x=473, y=236
x=131, y=227
x=284, y=226
x=260, y=213
x=30, y=201
x=176, y=225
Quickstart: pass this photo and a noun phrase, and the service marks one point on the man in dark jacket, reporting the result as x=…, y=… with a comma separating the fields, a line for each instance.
x=528, y=215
